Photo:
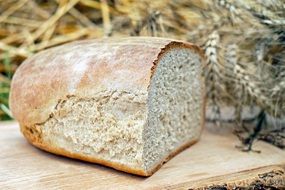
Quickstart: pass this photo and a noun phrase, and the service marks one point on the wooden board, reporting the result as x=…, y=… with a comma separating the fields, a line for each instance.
x=211, y=161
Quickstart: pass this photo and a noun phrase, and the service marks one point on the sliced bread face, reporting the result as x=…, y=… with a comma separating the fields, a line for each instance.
x=129, y=103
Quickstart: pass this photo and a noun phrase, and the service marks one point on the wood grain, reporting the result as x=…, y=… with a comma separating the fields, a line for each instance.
x=212, y=161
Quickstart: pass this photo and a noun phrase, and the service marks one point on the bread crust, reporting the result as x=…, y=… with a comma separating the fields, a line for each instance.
x=36, y=92
x=118, y=166
x=33, y=100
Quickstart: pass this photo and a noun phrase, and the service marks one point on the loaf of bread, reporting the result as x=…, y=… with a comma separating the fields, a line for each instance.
x=128, y=103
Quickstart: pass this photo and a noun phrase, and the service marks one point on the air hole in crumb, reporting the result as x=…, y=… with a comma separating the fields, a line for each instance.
x=180, y=66
x=168, y=134
x=31, y=131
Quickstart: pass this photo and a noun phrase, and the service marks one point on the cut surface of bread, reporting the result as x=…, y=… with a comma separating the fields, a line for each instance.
x=129, y=103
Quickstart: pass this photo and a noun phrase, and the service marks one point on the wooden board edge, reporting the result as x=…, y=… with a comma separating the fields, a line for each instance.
x=268, y=176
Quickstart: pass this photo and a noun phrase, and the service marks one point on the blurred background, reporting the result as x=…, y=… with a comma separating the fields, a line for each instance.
x=30, y=26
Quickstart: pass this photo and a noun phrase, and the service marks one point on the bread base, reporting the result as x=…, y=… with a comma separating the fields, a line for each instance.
x=120, y=167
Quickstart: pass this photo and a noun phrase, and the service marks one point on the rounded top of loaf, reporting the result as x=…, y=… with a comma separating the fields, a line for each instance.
x=84, y=68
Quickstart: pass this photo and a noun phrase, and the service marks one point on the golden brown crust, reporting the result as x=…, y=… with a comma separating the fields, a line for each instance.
x=83, y=68
x=33, y=100
x=121, y=167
